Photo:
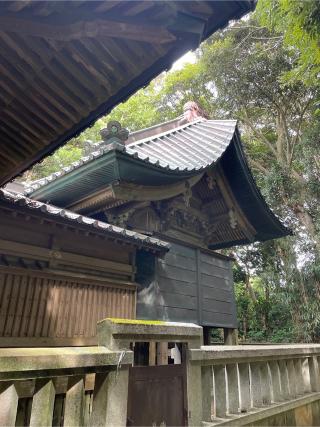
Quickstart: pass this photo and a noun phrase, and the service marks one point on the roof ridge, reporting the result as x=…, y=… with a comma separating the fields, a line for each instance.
x=169, y=131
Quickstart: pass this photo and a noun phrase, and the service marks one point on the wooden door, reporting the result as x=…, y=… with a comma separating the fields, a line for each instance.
x=157, y=396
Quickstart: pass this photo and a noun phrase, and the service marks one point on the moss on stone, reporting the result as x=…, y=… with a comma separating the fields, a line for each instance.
x=136, y=322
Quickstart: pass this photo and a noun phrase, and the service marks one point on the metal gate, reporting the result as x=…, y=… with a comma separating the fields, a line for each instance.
x=157, y=396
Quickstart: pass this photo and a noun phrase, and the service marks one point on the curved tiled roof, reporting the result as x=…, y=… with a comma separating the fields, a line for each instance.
x=55, y=212
x=188, y=148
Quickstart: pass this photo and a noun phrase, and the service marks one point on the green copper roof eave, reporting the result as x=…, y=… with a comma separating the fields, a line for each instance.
x=93, y=176
x=184, y=152
x=76, y=176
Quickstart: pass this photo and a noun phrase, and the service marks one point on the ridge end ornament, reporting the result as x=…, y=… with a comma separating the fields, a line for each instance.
x=114, y=134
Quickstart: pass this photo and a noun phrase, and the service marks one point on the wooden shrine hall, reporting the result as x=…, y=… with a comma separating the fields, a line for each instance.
x=185, y=183
x=107, y=263
x=64, y=65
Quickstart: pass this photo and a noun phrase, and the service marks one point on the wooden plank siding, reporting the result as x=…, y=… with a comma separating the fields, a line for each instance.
x=187, y=285
x=35, y=305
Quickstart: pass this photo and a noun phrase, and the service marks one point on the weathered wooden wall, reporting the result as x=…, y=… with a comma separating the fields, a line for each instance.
x=56, y=309
x=56, y=284
x=188, y=284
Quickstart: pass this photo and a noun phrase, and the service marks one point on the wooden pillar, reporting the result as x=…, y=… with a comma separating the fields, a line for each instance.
x=206, y=335
x=152, y=353
x=230, y=336
x=162, y=353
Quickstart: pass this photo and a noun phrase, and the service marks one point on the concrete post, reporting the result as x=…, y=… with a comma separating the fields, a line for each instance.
x=256, y=384
x=42, y=404
x=207, y=392
x=292, y=379
x=314, y=373
x=265, y=383
x=194, y=394
x=233, y=388
x=220, y=390
x=284, y=379
x=276, y=383
x=8, y=405
x=110, y=399
x=306, y=375
x=230, y=336
x=298, y=368
x=74, y=404
x=245, y=400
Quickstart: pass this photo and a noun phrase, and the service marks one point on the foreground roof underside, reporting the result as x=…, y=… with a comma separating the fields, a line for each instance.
x=64, y=64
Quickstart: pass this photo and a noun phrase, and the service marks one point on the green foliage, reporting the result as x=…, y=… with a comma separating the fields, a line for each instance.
x=298, y=21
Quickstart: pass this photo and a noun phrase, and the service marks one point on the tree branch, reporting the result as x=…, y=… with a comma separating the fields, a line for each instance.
x=259, y=134
x=258, y=166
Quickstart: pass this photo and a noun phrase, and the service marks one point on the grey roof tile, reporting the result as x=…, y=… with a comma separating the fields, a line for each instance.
x=53, y=211
x=193, y=146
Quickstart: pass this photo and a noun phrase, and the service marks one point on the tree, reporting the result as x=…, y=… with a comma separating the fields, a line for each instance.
x=298, y=22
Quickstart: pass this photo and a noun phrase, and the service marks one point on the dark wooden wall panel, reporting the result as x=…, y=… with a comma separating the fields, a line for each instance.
x=35, y=305
x=188, y=285
x=216, y=292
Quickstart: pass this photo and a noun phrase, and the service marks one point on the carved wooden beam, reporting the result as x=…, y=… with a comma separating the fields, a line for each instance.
x=92, y=29
x=129, y=191
x=235, y=212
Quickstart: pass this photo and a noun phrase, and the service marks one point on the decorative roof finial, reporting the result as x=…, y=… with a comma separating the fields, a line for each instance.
x=192, y=111
x=114, y=133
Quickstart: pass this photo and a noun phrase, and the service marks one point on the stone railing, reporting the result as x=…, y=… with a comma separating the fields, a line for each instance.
x=226, y=385
x=241, y=385
x=51, y=386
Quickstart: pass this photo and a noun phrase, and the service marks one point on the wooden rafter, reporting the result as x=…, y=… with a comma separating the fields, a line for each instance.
x=91, y=29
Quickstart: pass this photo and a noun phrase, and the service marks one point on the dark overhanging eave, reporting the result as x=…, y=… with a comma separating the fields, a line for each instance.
x=234, y=10
x=248, y=195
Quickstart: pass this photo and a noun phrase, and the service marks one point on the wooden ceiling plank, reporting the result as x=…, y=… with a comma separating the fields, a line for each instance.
x=7, y=150
x=96, y=29
x=27, y=84
x=26, y=99
x=83, y=56
x=15, y=136
x=26, y=121
x=82, y=75
x=104, y=6
x=124, y=57
x=117, y=75
x=16, y=6
x=139, y=6
x=40, y=70
x=20, y=131
x=57, y=69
